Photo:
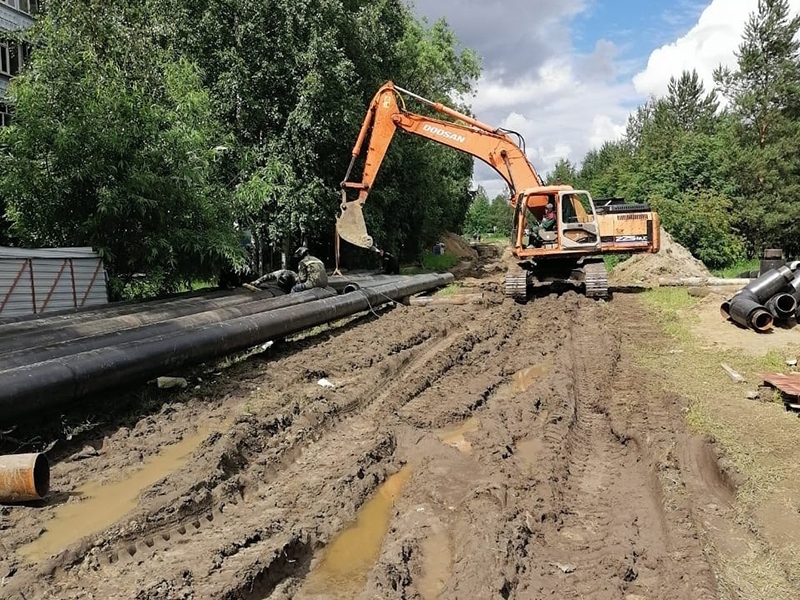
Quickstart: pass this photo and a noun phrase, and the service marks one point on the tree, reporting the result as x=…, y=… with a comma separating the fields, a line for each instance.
x=766, y=82
x=764, y=93
x=563, y=174
x=114, y=145
x=479, y=215
x=690, y=106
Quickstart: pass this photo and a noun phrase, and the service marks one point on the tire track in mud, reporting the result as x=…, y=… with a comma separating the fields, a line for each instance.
x=585, y=516
x=561, y=472
x=181, y=542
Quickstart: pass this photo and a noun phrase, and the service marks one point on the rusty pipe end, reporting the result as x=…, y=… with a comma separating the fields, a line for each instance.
x=24, y=477
x=761, y=320
x=725, y=310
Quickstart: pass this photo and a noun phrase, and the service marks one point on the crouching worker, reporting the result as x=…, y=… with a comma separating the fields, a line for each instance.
x=310, y=271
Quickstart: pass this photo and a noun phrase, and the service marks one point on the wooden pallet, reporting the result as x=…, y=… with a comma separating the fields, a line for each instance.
x=787, y=385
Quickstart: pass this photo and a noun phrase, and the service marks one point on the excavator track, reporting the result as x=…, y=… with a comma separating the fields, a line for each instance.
x=595, y=278
x=516, y=285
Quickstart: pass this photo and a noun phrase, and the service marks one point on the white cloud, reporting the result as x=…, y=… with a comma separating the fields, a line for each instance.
x=711, y=42
x=565, y=103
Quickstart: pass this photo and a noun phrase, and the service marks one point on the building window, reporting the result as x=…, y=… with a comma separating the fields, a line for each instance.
x=5, y=115
x=27, y=6
x=13, y=58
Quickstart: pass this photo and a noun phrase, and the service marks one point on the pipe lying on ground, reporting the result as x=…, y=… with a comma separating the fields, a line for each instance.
x=27, y=356
x=746, y=306
x=340, y=282
x=782, y=306
x=700, y=281
x=24, y=477
x=769, y=284
x=48, y=319
x=71, y=329
x=44, y=385
x=748, y=312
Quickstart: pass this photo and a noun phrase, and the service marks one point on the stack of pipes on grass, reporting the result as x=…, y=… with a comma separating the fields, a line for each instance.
x=772, y=297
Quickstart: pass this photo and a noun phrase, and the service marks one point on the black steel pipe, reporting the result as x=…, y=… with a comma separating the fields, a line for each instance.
x=782, y=306
x=748, y=312
x=45, y=385
x=81, y=315
x=27, y=356
x=66, y=328
x=341, y=282
x=769, y=284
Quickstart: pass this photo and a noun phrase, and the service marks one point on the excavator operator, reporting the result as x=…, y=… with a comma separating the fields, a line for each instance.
x=549, y=218
x=310, y=271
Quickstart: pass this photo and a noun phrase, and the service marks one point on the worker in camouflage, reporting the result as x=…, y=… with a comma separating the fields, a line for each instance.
x=284, y=278
x=310, y=271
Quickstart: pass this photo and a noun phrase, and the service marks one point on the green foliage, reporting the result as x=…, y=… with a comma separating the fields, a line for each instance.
x=114, y=144
x=488, y=217
x=565, y=173
x=163, y=131
x=740, y=266
x=702, y=222
x=726, y=183
x=438, y=263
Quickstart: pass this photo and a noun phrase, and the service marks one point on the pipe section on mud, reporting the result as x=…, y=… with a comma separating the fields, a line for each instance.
x=29, y=334
x=51, y=350
x=43, y=385
x=24, y=477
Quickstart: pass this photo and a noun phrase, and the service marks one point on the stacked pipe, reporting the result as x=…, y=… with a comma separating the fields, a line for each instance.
x=50, y=377
x=774, y=296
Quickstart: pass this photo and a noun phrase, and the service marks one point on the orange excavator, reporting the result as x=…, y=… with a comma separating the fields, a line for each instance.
x=558, y=234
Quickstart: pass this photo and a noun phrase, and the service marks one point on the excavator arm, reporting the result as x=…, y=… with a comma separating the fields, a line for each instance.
x=385, y=116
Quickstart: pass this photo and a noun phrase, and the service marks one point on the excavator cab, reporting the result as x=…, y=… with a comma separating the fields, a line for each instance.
x=578, y=222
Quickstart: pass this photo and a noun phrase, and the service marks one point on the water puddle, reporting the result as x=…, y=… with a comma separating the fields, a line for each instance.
x=455, y=436
x=351, y=555
x=104, y=505
x=524, y=379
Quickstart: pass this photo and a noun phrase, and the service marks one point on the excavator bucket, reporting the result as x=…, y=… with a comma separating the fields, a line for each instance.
x=351, y=226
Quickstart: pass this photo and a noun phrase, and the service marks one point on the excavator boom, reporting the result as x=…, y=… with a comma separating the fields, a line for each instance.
x=562, y=247
x=386, y=115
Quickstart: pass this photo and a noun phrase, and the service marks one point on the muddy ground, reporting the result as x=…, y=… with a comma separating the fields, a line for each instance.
x=490, y=450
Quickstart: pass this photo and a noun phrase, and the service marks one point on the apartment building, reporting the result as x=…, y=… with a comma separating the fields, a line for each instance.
x=14, y=15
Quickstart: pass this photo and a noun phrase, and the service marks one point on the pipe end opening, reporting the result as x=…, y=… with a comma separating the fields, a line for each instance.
x=41, y=475
x=762, y=321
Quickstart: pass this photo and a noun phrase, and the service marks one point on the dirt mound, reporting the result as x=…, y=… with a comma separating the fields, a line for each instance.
x=456, y=245
x=672, y=260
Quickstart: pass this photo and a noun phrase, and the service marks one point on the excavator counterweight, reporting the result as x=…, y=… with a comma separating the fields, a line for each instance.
x=558, y=233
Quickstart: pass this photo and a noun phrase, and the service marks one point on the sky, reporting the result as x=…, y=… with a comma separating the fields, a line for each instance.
x=567, y=73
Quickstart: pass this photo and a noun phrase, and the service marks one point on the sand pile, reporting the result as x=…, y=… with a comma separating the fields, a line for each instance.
x=672, y=260
x=456, y=245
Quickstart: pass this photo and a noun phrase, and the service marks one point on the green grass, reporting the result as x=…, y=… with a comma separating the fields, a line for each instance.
x=432, y=263
x=668, y=303
x=737, y=268
x=451, y=290
x=612, y=260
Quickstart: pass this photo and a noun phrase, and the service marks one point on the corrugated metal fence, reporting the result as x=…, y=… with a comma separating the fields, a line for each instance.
x=34, y=281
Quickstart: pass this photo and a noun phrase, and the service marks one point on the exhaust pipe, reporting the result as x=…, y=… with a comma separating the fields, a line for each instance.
x=24, y=477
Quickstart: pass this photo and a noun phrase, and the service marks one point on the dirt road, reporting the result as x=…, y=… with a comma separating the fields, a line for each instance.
x=479, y=451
